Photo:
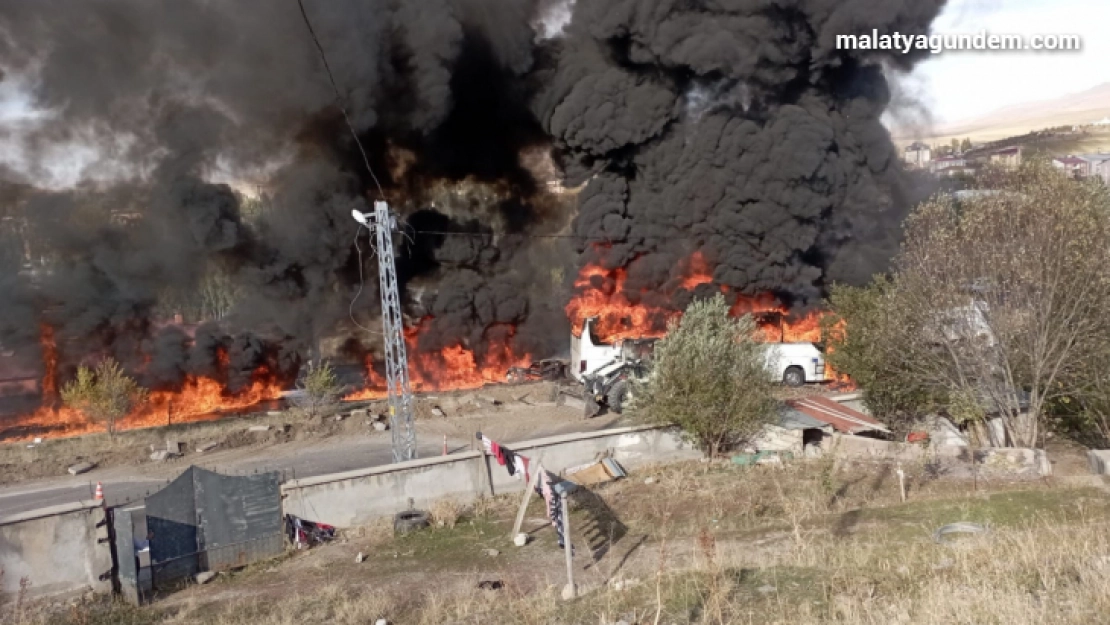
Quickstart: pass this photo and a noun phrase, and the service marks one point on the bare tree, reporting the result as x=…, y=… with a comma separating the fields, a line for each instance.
x=1001, y=300
x=105, y=394
x=709, y=377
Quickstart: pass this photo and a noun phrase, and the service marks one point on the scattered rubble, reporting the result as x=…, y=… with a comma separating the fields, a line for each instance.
x=274, y=413
x=380, y=426
x=259, y=428
x=162, y=455
x=206, y=446
x=360, y=558
x=437, y=411
x=82, y=467
x=205, y=577
x=492, y=553
x=360, y=412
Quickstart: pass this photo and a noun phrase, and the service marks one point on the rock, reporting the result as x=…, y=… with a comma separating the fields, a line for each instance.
x=650, y=480
x=206, y=446
x=81, y=467
x=259, y=428
x=173, y=447
x=274, y=413
x=380, y=426
x=489, y=400
x=570, y=591
x=493, y=553
x=340, y=417
x=381, y=621
x=943, y=565
x=205, y=577
x=437, y=411
x=624, y=584
x=520, y=539
x=766, y=589
x=360, y=558
x=161, y=455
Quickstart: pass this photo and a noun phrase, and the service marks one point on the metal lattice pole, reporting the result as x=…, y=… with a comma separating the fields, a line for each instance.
x=396, y=358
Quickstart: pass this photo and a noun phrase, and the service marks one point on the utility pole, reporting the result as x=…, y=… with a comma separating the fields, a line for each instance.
x=399, y=391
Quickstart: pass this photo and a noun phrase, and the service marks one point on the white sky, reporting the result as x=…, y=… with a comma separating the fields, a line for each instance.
x=957, y=85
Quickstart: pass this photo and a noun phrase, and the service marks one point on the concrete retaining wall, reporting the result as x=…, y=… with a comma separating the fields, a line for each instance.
x=56, y=549
x=1099, y=461
x=357, y=497
x=1003, y=461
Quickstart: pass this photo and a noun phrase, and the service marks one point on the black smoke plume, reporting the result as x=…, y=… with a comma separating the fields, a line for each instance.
x=731, y=126
x=734, y=128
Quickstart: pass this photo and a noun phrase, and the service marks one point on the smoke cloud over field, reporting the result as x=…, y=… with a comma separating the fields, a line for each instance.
x=154, y=155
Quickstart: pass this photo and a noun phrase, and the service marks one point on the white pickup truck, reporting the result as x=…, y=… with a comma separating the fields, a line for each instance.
x=794, y=364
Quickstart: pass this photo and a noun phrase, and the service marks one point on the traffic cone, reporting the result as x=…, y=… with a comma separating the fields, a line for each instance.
x=444, y=444
x=99, y=496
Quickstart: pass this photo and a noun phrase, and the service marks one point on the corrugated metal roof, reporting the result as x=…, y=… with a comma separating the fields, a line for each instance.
x=793, y=419
x=841, y=417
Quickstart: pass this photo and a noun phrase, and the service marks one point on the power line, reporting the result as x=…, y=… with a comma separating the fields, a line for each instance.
x=339, y=99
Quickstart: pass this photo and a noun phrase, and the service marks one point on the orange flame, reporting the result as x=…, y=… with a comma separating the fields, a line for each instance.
x=600, y=293
x=452, y=368
x=199, y=398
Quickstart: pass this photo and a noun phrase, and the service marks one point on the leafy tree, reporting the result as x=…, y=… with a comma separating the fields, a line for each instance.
x=856, y=335
x=998, y=303
x=105, y=394
x=709, y=377
x=320, y=388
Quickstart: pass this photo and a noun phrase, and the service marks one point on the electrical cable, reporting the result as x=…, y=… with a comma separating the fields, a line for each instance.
x=351, y=308
x=361, y=150
x=339, y=99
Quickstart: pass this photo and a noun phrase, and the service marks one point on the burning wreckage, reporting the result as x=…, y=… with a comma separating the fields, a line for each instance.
x=625, y=157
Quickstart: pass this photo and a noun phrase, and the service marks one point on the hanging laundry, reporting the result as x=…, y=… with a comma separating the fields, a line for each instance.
x=514, y=463
x=554, y=503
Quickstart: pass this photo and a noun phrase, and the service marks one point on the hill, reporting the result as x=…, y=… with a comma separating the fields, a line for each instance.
x=1080, y=109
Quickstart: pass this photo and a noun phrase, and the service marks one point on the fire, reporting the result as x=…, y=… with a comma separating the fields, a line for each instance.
x=453, y=368
x=50, y=363
x=601, y=293
x=199, y=398
x=621, y=315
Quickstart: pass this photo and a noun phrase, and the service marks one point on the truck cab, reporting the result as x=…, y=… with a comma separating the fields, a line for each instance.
x=587, y=354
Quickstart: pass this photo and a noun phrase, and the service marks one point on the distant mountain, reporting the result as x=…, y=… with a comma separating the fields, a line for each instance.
x=1017, y=119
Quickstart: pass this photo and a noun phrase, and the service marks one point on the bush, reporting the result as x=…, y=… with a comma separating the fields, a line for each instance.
x=105, y=394
x=320, y=388
x=710, y=378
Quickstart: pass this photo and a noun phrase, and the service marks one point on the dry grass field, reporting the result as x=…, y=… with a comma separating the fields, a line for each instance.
x=814, y=542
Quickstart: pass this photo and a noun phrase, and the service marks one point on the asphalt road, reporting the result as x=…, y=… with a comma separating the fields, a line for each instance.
x=120, y=488
x=295, y=460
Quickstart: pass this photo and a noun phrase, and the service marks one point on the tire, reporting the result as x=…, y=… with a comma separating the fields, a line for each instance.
x=617, y=395
x=794, y=376
x=410, y=521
